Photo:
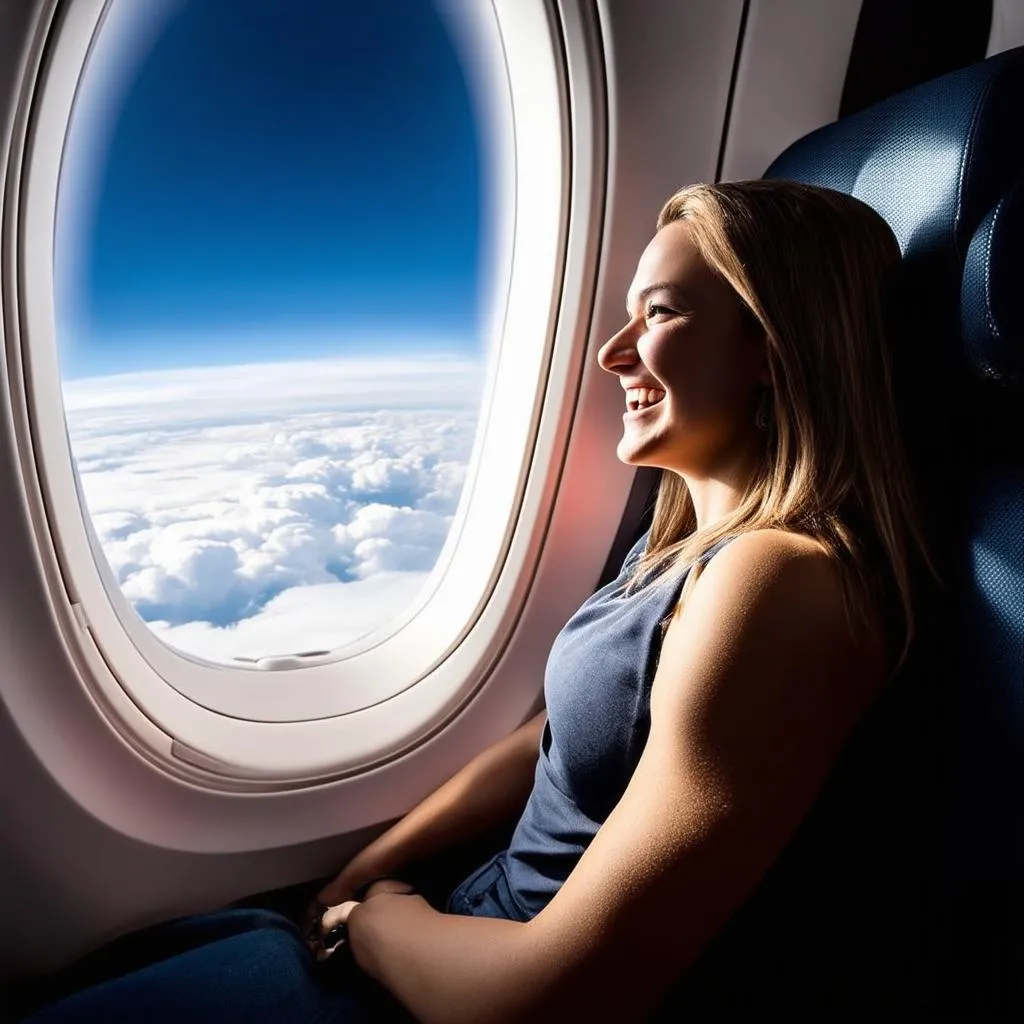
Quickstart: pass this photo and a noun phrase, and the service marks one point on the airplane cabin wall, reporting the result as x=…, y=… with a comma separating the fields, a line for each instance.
x=1007, y=26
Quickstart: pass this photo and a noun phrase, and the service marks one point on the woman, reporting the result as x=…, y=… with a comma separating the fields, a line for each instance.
x=697, y=704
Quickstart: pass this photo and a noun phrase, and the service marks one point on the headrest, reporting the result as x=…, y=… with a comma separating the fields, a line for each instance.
x=933, y=160
x=992, y=299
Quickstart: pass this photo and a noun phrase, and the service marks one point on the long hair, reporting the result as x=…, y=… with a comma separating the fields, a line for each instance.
x=812, y=267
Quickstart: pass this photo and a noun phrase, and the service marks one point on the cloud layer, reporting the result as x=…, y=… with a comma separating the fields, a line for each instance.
x=269, y=509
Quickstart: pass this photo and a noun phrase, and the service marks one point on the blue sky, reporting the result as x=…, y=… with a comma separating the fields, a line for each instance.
x=285, y=180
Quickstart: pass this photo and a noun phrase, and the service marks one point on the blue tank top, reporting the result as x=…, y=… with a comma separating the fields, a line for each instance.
x=597, y=689
x=848, y=899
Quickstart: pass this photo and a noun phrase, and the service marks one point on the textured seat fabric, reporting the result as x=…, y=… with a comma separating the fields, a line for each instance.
x=992, y=314
x=933, y=160
x=944, y=164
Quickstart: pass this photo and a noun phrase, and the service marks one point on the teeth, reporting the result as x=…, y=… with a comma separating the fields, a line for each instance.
x=637, y=398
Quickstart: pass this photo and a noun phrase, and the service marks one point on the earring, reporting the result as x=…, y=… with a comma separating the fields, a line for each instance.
x=763, y=417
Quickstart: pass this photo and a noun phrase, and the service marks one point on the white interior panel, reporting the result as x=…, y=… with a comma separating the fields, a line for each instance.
x=1007, y=26
x=790, y=78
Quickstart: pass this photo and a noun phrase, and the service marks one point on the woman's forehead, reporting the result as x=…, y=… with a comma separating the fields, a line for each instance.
x=671, y=260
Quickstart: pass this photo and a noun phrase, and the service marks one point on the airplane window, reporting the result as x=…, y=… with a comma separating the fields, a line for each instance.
x=282, y=370
x=271, y=298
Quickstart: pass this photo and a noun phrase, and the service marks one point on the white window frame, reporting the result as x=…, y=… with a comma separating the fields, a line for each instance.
x=282, y=729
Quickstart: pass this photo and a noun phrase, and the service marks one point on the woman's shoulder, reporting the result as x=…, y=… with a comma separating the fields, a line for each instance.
x=762, y=559
x=778, y=582
x=773, y=558
x=775, y=543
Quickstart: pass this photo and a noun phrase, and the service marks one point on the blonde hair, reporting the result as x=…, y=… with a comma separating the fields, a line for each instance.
x=812, y=267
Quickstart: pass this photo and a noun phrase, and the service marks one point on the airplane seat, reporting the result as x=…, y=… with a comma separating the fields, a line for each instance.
x=944, y=164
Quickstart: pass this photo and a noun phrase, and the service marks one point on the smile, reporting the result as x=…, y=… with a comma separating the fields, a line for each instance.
x=638, y=399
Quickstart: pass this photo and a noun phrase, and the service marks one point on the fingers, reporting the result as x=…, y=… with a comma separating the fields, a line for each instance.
x=323, y=928
x=330, y=932
x=314, y=916
x=335, y=916
x=322, y=917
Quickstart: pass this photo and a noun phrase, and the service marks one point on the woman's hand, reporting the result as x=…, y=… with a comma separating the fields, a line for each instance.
x=322, y=920
x=345, y=886
x=328, y=931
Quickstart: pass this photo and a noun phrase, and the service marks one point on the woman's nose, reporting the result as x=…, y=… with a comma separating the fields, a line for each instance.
x=618, y=353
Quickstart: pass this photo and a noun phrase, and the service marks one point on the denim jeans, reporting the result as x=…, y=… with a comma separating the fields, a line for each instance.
x=486, y=893
x=244, y=965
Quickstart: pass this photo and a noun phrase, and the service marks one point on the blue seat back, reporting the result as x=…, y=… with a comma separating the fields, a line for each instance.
x=944, y=164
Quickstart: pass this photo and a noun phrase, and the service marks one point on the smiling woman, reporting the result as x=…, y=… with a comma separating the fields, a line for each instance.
x=229, y=251
x=690, y=359
x=692, y=715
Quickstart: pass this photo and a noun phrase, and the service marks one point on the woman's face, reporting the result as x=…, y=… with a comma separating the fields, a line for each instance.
x=688, y=361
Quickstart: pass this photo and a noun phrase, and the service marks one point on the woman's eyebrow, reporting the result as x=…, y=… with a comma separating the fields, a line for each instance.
x=660, y=286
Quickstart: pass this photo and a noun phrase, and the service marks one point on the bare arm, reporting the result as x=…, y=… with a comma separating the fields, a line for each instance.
x=490, y=791
x=758, y=684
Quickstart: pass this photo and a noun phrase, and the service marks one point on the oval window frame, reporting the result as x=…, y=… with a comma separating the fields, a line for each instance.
x=206, y=722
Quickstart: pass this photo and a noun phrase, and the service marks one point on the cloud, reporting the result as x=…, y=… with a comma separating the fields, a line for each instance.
x=318, y=617
x=266, y=509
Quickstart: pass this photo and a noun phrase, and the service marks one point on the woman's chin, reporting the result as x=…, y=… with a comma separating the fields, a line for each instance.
x=624, y=453
x=632, y=454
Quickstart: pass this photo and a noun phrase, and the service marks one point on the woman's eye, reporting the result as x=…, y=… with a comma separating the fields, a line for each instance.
x=655, y=310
